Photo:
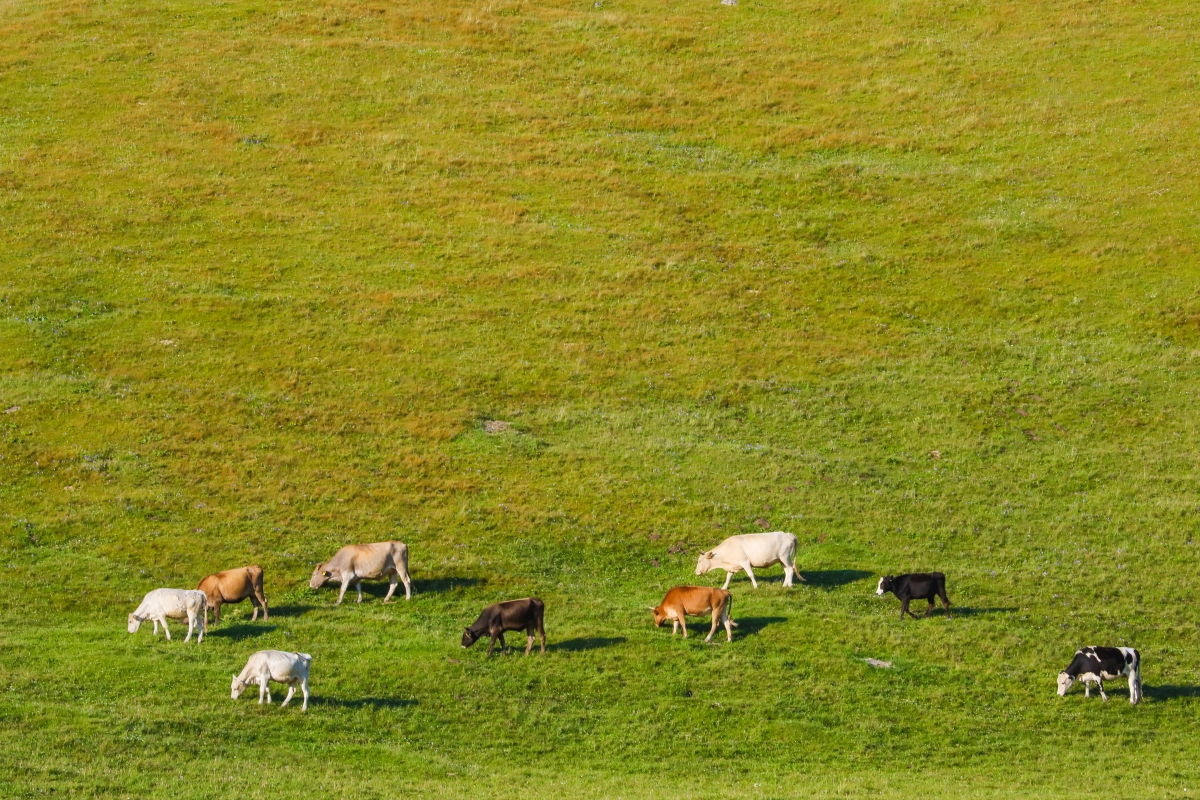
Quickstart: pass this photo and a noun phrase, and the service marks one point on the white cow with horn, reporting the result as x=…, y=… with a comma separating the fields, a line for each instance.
x=749, y=551
x=274, y=665
x=178, y=604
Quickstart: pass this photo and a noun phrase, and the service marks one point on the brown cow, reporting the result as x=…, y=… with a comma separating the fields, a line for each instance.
x=695, y=600
x=234, y=586
x=511, y=615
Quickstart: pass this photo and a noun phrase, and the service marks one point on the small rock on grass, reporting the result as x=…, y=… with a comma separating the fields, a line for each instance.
x=875, y=662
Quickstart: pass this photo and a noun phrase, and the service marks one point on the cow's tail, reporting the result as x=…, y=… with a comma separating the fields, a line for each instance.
x=1135, y=678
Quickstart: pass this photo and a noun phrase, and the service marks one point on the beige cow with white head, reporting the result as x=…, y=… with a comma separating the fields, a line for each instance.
x=356, y=562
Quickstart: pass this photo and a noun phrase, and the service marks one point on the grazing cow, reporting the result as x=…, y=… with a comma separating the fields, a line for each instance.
x=356, y=562
x=695, y=600
x=511, y=615
x=234, y=586
x=917, y=586
x=752, y=550
x=274, y=665
x=179, y=604
x=1098, y=664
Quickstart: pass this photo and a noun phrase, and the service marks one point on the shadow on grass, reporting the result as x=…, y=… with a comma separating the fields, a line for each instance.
x=968, y=611
x=438, y=585
x=363, y=702
x=239, y=632
x=585, y=643
x=290, y=611
x=749, y=626
x=1169, y=692
x=833, y=578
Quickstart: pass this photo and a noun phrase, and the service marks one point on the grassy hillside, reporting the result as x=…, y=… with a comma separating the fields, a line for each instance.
x=916, y=281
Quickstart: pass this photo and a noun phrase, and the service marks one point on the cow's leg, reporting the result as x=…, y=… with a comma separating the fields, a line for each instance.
x=191, y=624
x=674, y=626
x=503, y=644
x=203, y=628
x=254, y=609
x=529, y=641
x=903, y=609
x=1103, y=696
x=358, y=586
x=728, y=577
x=166, y=630
x=262, y=691
x=541, y=628
x=929, y=610
x=216, y=609
x=492, y=644
x=683, y=625
x=345, y=585
x=728, y=625
x=716, y=621
x=407, y=586
x=750, y=574
x=156, y=627
x=304, y=691
x=787, y=574
x=1087, y=689
x=291, y=691
x=393, y=580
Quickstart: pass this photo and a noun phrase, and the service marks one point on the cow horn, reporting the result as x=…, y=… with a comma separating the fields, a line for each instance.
x=652, y=608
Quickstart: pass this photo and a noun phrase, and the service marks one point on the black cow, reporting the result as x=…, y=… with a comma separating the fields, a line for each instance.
x=511, y=615
x=917, y=586
x=1097, y=664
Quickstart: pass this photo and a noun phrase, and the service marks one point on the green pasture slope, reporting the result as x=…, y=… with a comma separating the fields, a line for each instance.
x=914, y=280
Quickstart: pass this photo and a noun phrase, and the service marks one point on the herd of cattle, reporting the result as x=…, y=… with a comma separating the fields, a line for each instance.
x=353, y=564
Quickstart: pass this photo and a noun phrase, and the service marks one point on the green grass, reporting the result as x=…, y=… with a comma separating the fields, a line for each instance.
x=266, y=270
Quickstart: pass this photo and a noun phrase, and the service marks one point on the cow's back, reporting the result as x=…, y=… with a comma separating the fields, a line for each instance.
x=372, y=560
x=233, y=584
x=695, y=599
x=757, y=546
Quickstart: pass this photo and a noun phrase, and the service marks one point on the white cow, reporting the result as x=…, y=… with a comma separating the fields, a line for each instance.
x=752, y=550
x=179, y=604
x=274, y=665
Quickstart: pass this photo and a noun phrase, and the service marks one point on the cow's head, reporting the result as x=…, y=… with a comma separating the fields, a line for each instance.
x=237, y=687
x=705, y=563
x=134, y=623
x=885, y=585
x=469, y=637
x=660, y=616
x=1064, y=683
x=319, y=576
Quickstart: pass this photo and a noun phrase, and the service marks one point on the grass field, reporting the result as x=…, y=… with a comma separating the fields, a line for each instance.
x=915, y=281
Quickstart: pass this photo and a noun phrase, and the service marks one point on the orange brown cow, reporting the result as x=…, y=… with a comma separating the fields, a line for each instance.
x=695, y=600
x=234, y=586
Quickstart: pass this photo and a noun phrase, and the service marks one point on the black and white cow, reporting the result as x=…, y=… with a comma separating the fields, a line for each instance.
x=916, y=586
x=1098, y=664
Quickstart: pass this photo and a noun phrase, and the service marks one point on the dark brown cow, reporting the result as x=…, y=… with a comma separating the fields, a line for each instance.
x=511, y=615
x=695, y=600
x=234, y=586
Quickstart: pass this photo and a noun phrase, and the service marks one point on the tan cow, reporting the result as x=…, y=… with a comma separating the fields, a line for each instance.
x=354, y=562
x=234, y=586
x=695, y=600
